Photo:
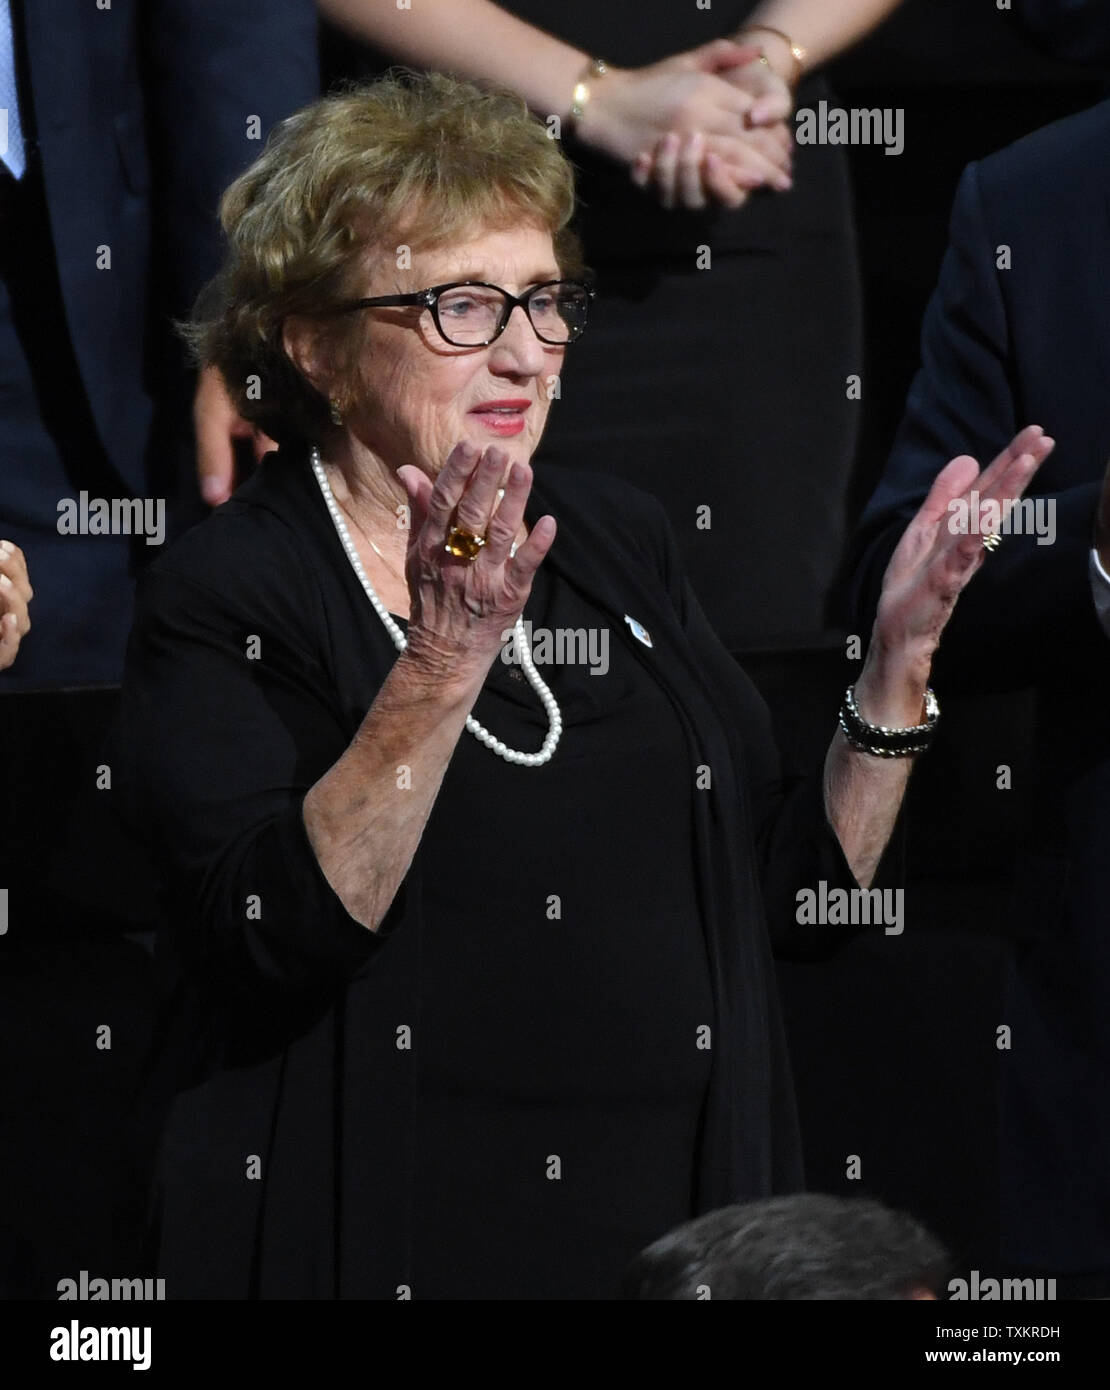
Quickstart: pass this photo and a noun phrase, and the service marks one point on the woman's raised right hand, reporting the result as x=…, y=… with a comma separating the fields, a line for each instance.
x=461, y=608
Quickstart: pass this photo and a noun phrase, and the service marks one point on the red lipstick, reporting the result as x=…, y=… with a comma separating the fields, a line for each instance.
x=504, y=417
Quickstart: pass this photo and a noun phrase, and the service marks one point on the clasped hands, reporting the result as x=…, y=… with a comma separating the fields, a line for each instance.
x=707, y=126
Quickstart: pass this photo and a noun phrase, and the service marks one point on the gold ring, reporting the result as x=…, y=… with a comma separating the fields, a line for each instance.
x=463, y=545
x=992, y=542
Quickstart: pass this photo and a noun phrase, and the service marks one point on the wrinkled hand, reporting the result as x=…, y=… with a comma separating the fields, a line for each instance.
x=460, y=608
x=217, y=425
x=15, y=594
x=929, y=570
x=686, y=104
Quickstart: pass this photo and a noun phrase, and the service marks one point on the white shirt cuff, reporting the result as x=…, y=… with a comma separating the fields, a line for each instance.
x=1100, y=590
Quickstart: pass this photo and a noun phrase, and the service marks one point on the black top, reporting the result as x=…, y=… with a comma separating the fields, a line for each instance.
x=501, y=1092
x=569, y=1028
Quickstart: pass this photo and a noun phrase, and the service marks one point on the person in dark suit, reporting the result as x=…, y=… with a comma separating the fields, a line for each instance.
x=1019, y=328
x=124, y=125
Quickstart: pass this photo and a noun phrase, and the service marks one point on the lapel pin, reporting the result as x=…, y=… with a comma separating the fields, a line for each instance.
x=639, y=631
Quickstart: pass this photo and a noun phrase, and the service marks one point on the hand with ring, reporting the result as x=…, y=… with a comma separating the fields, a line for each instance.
x=463, y=545
x=465, y=585
x=936, y=558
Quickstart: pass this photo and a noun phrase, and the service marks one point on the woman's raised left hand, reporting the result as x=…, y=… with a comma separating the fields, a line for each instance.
x=932, y=564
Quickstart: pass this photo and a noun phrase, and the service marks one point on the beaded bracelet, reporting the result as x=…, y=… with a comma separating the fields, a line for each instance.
x=882, y=742
x=596, y=67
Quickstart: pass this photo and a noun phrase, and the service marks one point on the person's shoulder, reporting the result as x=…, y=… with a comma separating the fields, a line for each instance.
x=235, y=545
x=587, y=493
x=623, y=523
x=1064, y=161
x=255, y=544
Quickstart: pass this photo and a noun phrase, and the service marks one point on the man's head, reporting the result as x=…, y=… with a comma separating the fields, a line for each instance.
x=805, y=1247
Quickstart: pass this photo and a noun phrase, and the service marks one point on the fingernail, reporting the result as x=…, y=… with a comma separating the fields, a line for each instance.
x=212, y=490
x=5, y=582
x=7, y=547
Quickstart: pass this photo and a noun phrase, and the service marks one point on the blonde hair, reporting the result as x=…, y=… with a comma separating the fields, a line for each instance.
x=412, y=159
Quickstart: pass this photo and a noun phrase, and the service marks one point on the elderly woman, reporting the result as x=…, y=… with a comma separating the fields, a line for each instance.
x=473, y=992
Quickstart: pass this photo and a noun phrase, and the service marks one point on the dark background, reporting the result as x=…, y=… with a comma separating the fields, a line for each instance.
x=894, y=1040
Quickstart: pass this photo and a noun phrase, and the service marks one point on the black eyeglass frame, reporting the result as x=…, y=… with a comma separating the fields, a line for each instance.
x=429, y=299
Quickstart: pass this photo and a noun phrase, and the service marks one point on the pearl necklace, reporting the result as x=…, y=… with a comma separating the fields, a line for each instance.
x=483, y=735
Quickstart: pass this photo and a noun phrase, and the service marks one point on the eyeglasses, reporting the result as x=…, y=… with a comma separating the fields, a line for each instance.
x=470, y=313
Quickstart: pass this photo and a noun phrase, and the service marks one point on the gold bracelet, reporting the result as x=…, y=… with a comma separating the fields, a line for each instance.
x=797, y=52
x=596, y=67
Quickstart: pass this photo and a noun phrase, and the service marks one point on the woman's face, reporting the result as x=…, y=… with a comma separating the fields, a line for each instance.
x=417, y=396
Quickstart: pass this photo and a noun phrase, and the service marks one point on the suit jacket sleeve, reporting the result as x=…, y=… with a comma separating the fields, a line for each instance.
x=219, y=74
x=1029, y=608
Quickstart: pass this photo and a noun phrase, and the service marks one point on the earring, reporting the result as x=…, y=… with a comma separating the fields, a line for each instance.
x=336, y=412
